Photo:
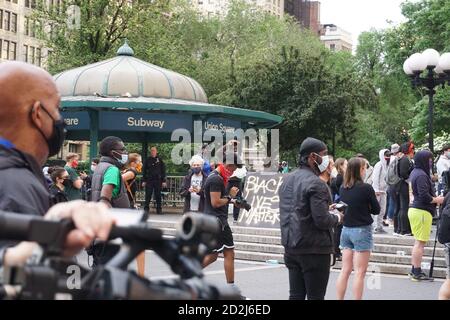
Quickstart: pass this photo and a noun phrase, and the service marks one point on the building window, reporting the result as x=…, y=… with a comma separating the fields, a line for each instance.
x=200, y=2
x=14, y=22
x=30, y=4
x=1, y=19
x=31, y=55
x=6, y=20
x=5, y=49
x=25, y=53
x=32, y=26
x=27, y=26
x=12, y=50
x=38, y=57
x=332, y=47
x=74, y=148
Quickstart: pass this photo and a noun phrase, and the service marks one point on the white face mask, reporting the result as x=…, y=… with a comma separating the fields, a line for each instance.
x=93, y=168
x=123, y=159
x=324, y=165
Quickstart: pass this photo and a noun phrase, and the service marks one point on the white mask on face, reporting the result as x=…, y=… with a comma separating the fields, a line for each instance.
x=324, y=165
x=123, y=158
x=93, y=168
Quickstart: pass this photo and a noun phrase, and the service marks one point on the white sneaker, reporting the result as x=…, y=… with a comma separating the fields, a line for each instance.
x=239, y=291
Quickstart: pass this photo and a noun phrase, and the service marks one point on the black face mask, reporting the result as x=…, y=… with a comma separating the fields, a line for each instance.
x=57, y=137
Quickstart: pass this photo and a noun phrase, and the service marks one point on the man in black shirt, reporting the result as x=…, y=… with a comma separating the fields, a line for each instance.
x=306, y=223
x=216, y=204
x=154, y=177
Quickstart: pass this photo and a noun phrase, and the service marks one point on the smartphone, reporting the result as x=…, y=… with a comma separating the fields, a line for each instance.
x=341, y=205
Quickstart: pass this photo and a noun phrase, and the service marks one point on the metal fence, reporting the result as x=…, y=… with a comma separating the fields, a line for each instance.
x=170, y=196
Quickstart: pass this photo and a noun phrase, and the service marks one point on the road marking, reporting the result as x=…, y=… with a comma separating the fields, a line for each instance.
x=221, y=272
x=387, y=275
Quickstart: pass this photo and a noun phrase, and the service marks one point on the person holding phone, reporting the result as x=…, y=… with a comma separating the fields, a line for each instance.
x=356, y=238
x=192, y=188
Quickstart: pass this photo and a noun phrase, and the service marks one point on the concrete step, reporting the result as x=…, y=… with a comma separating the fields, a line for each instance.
x=406, y=260
x=400, y=251
x=398, y=269
x=379, y=267
x=273, y=244
x=406, y=250
x=274, y=233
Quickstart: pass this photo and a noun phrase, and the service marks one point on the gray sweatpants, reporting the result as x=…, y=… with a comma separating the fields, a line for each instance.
x=378, y=220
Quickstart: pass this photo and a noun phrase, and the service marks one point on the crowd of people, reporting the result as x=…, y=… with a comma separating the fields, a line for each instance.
x=345, y=202
x=326, y=206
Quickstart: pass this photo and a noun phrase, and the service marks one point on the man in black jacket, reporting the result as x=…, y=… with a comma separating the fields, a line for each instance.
x=154, y=177
x=32, y=129
x=306, y=223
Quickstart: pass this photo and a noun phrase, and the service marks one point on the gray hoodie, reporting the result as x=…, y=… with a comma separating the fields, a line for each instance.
x=379, y=174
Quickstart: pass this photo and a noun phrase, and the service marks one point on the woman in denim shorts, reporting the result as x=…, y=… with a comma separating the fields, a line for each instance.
x=356, y=238
x=444, y=292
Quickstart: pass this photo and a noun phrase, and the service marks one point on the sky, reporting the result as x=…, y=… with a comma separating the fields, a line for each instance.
x=356, y=16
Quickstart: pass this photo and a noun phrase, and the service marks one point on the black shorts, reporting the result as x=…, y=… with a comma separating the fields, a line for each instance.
x=224, y=240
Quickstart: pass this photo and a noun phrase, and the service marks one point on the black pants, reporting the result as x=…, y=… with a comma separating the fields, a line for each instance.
x=401, y=221
x=153, y=186
x=337, y=239
x=308, y=275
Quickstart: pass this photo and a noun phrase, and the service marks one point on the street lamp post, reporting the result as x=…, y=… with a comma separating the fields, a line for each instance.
x=437, y=73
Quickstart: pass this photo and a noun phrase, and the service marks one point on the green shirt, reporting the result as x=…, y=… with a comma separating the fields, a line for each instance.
x=72, y=192
x=112, y=176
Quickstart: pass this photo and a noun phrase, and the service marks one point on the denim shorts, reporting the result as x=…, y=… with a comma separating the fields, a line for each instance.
x=357, y=238
x=447, y=258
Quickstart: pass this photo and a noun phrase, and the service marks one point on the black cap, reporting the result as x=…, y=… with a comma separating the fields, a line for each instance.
x=310, y=145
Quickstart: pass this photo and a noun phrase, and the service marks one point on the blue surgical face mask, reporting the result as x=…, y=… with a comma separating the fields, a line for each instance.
x=123, y=158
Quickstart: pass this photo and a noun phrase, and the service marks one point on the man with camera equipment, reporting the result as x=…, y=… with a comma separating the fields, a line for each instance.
x=216, y=204
x=306, y=223
x=32, y=129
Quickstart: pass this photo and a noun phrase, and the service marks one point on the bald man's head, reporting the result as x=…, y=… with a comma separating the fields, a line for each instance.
x=29, y=105
x=153, y=152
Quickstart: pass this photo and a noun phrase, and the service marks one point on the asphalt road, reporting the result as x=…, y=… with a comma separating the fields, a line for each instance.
x=262, y=281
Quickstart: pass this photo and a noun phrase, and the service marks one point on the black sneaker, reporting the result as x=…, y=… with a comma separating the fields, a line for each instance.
x=420, y=277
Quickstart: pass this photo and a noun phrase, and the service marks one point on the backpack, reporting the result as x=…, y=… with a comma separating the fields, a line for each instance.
x=444, y=223
x=392, y=178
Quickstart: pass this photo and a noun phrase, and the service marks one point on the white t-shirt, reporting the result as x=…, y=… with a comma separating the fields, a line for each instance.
x=442, y=165
x=196, y=181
